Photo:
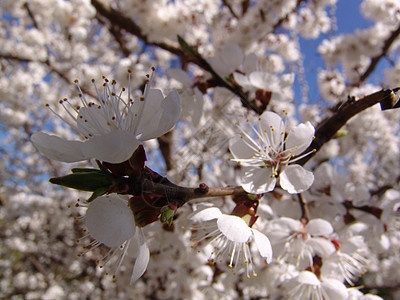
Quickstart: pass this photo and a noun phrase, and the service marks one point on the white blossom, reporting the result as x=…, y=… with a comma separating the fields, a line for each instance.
x=231, y=236
x=308, y=286
x=270, y=154
x=110, y=222
x=298, y=242
x=114, y=127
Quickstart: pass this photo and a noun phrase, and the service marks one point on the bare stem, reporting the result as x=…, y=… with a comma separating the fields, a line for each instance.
x=305, y=213
x=185, y=194
x=375, y=60
x=327, y=129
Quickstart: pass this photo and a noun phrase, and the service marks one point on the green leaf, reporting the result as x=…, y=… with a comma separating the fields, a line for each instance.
x=85, y=181
x=101, y=167
x=97, y=193
x=186, y=47
x=252, y=197
x=167, y=215
x=84, y=170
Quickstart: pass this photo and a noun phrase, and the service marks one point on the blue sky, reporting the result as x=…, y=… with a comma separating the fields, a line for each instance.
x=349, y=18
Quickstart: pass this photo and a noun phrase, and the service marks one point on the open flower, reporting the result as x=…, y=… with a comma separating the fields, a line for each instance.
x=298, y=242
x=268, y=157
x=308, y=286
x=347, y=263
x=113, y=127
x=110, y=222
x=231, y=236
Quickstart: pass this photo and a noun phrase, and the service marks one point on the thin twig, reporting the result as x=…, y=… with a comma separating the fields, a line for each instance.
x=185, y=194
x=376, y=59
x=117, y=18
x=305, y=213
x=123, y=22
x=286, y=17
x=52, y=69
x=229, y=6
x=326, y=130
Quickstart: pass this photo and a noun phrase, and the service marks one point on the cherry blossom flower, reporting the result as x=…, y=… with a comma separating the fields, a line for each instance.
x=110, y=222
x=192, y=98
x=308, y=286
x=113, y=128
x=346, y=263
x=231, y=236
x=299, y=241
x=229, y=59
x=270, y=155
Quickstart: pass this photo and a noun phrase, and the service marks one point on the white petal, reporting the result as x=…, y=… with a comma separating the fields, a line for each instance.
x=180, y=75
x=240, y=149
x=263, y=80
x=142, y=260
x=232, y=56
x=110, y=221
x=263, y=245
x=172, y=106
x=234, y=228
x=333, y=289
x=206, y=214
x=218, y=66
x=91, y=120
x=257, y=180
x=319, y=227
x=57, y=148
x=287, y=224
x=241, y=79
x=250, y=63
x=296, y=179
x=272, y=125
x=114, y=147
x=309, y=278
x=286, y=80
x=301, y=137
x=321, y=246
x=159, y=115
x=353, y=244
x=197, y=111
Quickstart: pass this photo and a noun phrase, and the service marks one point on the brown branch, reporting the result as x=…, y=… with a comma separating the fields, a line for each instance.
x=376, y=59
x=51, y=68
x=117, y=18
x=30, y=13
x=373, y=210
x=123, y=22
x=165, y=144
x=185, y=194
x=225, y=3
x=118, y=36
x=285, y=17
x=305, y=213
x=327, y=129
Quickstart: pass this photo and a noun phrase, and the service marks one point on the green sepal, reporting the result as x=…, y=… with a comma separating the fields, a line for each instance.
x=101, y=167
x=252, y=197
x=85, y=181
x=97, y=193
x=186, y=47
x=167, y=216
x=341, y=133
